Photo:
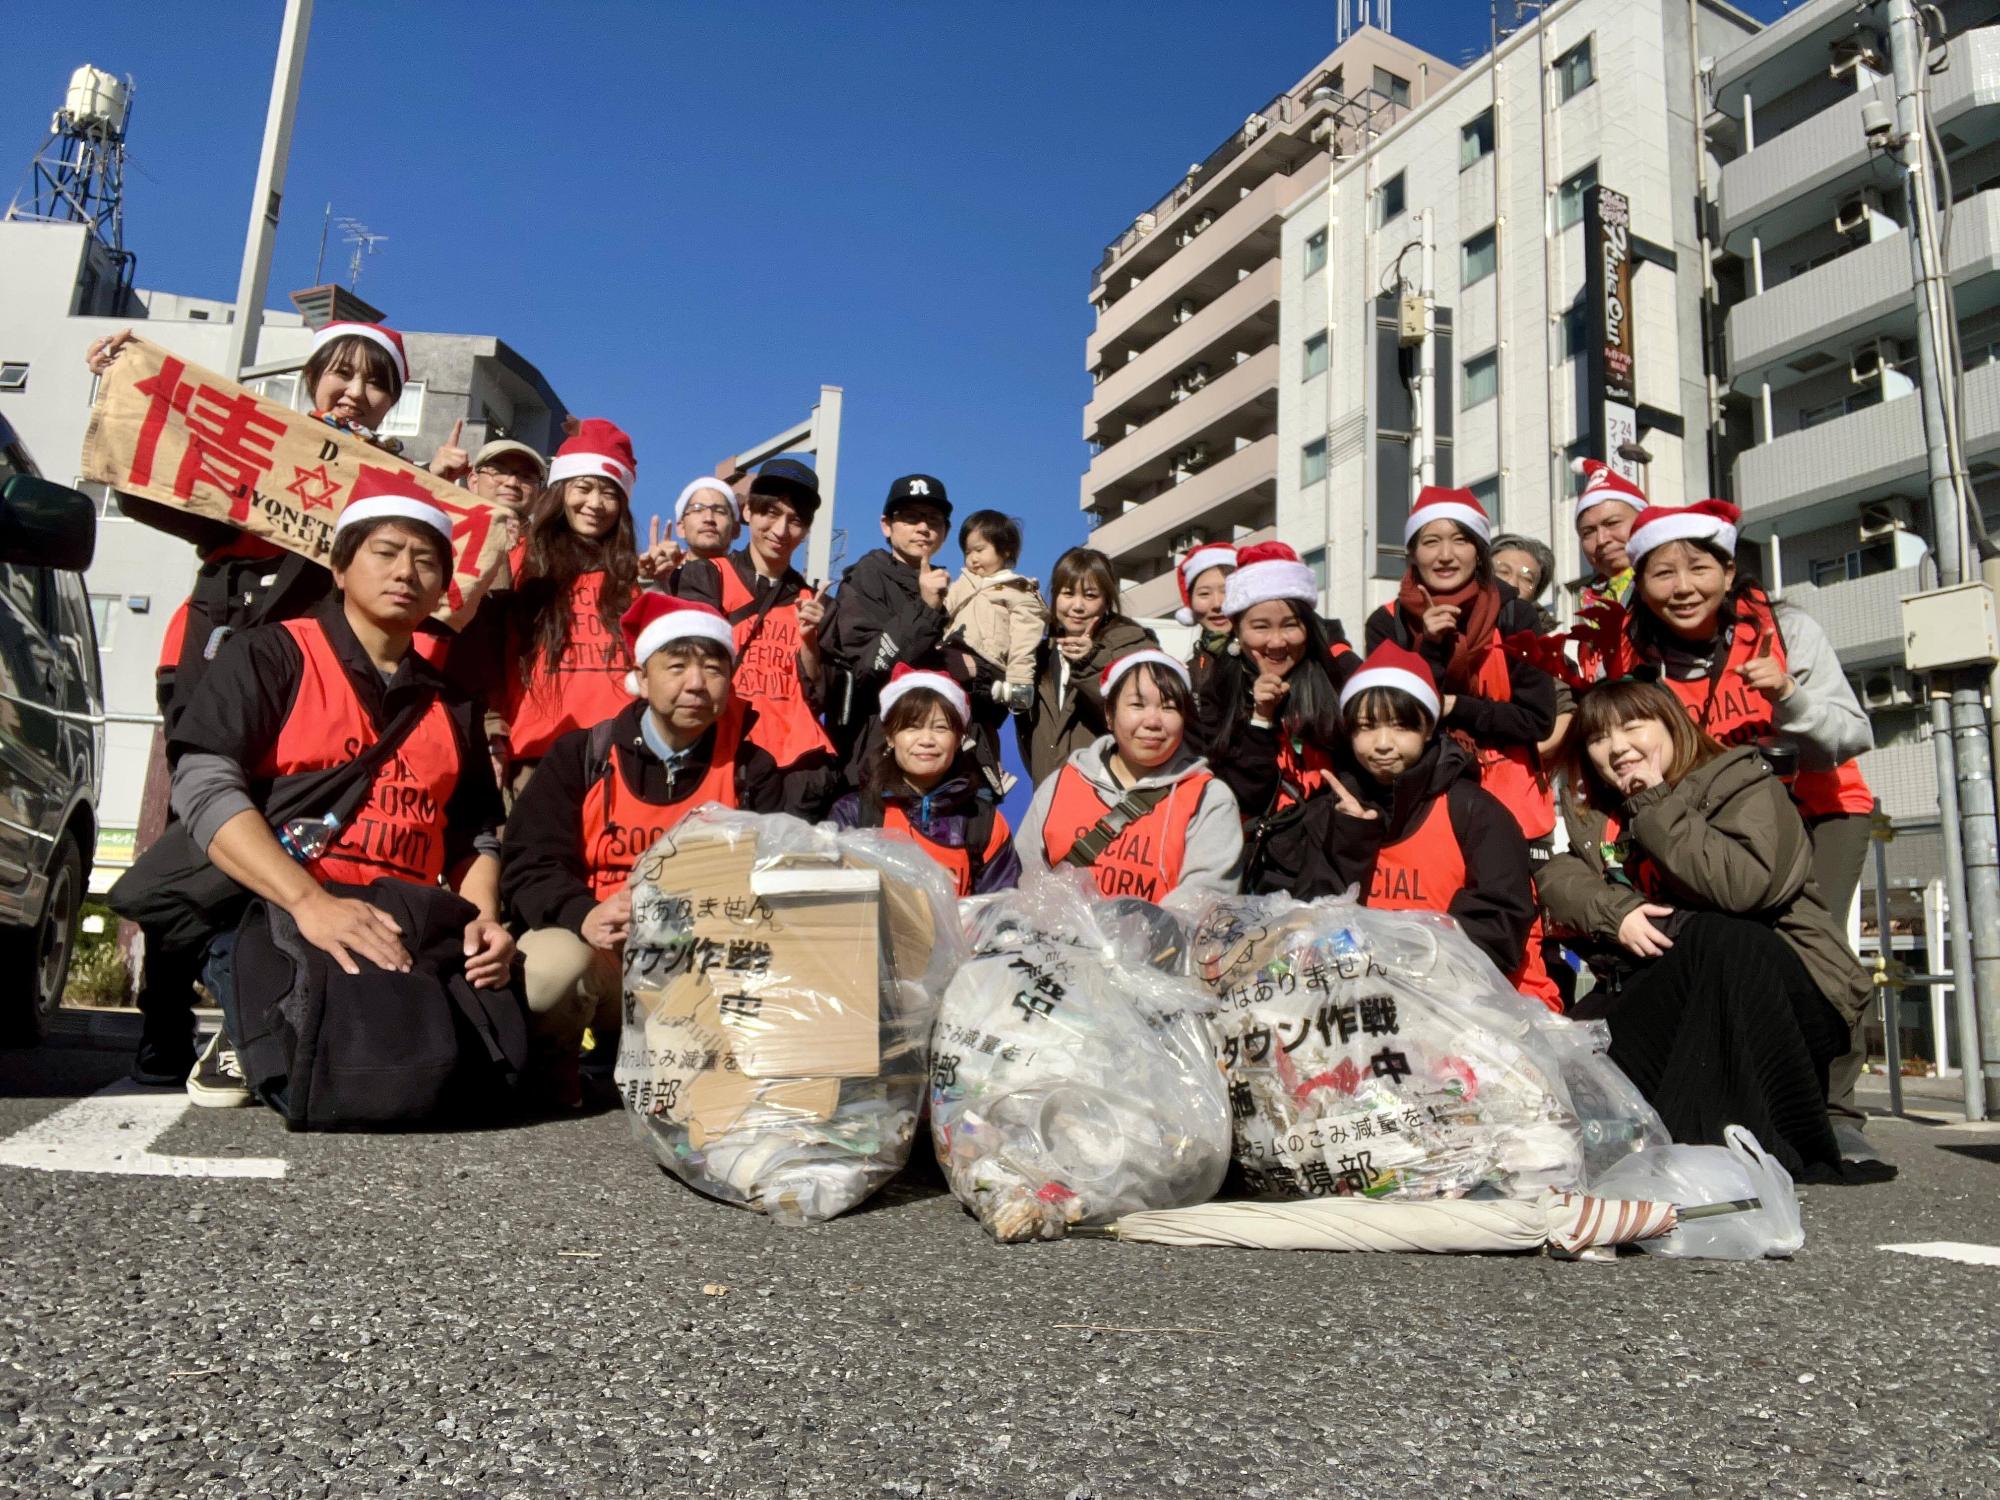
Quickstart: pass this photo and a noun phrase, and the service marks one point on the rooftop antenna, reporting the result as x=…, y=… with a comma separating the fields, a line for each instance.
x=78, y=175
x=1351, y=16
x=364, y=240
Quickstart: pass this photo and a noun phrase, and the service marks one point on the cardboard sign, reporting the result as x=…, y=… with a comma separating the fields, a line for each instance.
x=170, y=431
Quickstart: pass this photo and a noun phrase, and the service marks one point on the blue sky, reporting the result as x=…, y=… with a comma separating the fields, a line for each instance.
x=690, y=216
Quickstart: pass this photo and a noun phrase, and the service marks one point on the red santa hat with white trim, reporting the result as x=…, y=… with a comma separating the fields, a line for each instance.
x=1392, y=666
x=907, y=679
x=376, y=333
x=657, y=620
x=1197, y=562
x=1108, y=678
x=1601, y=482
x=1435, y=504
x=706, y=482
x=599, y=448
x=384, y=494
x=1267, y=571
x=1711, y=521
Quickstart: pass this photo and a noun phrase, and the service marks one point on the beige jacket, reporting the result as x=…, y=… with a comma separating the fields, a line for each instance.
x=1001, y=617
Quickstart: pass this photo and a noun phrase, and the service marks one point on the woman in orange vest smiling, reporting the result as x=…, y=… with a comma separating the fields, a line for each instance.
x=923, y=786
x=1137, y=808
x=1455, y=615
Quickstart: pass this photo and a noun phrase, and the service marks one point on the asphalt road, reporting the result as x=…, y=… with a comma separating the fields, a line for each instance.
x=521, y=1312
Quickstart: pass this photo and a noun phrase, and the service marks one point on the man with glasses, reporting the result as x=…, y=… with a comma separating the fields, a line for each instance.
x=509, y=473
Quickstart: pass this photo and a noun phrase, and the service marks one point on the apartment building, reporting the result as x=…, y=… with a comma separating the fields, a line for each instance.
x=1186, y=360
x=61, y=294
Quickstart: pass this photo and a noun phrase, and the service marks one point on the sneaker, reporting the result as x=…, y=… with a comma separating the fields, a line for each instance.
x=162, y=1065
x=217, y=1081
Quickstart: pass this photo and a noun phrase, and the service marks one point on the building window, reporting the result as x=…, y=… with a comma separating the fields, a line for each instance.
x=1391, y=86
x=1316, y=560
x=1575, y=332
x=103, y=612
x=14, y=375
x=1833, y=411
x=1315, y=360
x=1575, y=71
x=1475, y=139
x=1569, y=197
x=1862, y=562
x=1391, y=196
x=1480, y=253
x=1312, y=462
x=1482, y=380
x=1487, y=493
x=283, y=389
x=1315, y=251
x=406, y=417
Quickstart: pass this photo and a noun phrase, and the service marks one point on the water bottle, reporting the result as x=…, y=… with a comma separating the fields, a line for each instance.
x=306, y=839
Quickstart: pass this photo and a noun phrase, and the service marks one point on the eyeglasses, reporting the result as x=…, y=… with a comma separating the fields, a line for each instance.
x=715, y=509
x=521, y=472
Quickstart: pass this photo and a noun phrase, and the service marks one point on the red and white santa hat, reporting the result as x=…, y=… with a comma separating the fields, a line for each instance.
x=1601, y=482
x=656, y=620
x=1704, y=521
x=707, y=482
x=1108, y=678
x=1435, y=504
x=375, y=333
x=1198, y=561
x=1267, y=571
x=383, y=494
x=600, y=448
x=1392, y=666
x=907, y=679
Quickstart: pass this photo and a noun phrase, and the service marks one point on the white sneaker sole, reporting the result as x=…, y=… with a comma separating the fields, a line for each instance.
x=208, y=1098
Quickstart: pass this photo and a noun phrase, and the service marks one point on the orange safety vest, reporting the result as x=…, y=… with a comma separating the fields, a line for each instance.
x=767, y=671
x=1513, y=773
x=1735, y=714
x=619, y=825
x=586, y=687
x=956, y=861
x=1425, y=869
x=399, y=830
x=1146, y=858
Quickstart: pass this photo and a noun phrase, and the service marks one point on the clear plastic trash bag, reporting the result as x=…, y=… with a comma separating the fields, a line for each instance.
x=780, y=984
x=1695, y=1176
x=1073, y=1074
x=1380, y=1053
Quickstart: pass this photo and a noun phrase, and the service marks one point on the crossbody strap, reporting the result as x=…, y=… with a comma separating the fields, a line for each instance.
x=1094, y=840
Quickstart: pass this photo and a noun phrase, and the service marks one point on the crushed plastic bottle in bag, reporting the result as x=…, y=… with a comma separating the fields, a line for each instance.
x=1073, y=1074
x=780, y=985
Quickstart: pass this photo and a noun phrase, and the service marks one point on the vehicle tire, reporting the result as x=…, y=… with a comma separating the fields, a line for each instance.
x=41, y=954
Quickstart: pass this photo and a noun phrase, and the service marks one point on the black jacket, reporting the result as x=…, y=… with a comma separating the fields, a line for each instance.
x=1244, y=754
x=876, y=619
x=544, y=881
x=1527, y=718
x=1321, y=851
x=700, y=579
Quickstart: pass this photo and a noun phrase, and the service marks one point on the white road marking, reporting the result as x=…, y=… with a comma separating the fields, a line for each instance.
x=1958, y=1250
x=113, y=1131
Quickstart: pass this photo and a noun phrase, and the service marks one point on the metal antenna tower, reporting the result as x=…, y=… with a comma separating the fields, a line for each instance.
x=364, y=240
x=1351, y=15
x=78, y=175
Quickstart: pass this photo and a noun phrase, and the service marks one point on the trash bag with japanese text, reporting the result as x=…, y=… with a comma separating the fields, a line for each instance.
x=1381, y=1054
x=1073, y=1076
x=780, y=985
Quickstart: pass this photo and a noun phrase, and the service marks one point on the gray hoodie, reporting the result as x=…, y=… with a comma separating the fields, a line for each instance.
x=1822, y=719
x=1214, y=848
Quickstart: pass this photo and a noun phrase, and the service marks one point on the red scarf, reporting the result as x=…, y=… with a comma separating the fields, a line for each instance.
x=1478, y=606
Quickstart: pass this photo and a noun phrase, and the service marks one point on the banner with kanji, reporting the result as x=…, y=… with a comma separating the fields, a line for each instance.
x=170, y=431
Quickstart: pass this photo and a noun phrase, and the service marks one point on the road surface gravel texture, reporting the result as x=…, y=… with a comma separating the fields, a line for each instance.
x=536, y=1311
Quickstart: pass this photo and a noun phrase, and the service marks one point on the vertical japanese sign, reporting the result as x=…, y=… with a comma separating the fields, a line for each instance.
x=1607, y=291
x=172, y=432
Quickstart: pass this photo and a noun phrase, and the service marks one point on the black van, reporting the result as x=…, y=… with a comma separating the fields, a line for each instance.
x=51, y=736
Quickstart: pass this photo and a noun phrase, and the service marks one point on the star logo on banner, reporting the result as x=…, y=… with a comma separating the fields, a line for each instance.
x=314, y=487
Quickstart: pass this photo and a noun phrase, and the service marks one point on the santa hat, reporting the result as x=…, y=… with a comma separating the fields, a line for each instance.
x=1267, y=571
x=656, y=620
x=707, y=482
x=1392, y=666
x=384, y=494
x=1601, y=482
x=1462, y=506
x=907, y=679
x=1704, y=521
x=597, y=447
x=1108, y=678
x=1197, y=562
x=375, y=333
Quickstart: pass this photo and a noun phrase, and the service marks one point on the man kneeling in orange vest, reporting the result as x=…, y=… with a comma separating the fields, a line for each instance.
x=603, y=796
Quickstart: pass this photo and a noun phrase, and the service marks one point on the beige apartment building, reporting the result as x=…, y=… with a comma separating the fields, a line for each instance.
x=1184, y=361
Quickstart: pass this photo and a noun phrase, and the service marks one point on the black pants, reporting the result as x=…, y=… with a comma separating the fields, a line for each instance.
x=1728, y=1028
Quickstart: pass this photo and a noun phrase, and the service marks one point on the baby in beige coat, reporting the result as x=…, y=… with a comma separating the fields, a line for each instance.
x=997, y=617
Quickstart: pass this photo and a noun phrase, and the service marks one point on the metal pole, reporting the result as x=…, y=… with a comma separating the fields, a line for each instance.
x=1892, y=994
x=826, y=463
x=1427, y=359
x=270, y=193
x=1964, y=997
x=1972, y=746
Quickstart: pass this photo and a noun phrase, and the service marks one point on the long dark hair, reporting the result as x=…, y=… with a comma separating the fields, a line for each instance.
x=1084, y=565
x=1312, y=708
x=1482, y=565
x=1744, y=597
x=556, y=558
x=359, y=353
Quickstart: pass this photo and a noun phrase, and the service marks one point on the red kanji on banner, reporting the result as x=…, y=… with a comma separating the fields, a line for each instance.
x=229, y=441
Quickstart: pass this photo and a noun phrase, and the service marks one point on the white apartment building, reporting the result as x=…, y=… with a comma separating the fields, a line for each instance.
x=1495, y=171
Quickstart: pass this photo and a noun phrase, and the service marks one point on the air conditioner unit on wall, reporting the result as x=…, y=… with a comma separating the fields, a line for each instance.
x=1855, y=210
x=1184, y=309
x=1865, y=366
x=1187, y=541
x=1863, y=49
x=1884, y=518
x=1887, y=687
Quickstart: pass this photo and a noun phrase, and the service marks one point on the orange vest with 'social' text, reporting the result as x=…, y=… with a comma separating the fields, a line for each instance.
x=1146, y=858
x=767, y=671
x=619, y=825
x=586, y=687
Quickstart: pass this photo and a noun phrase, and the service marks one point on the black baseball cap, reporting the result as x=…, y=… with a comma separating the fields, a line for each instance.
x=917, y=489
x=791, y=481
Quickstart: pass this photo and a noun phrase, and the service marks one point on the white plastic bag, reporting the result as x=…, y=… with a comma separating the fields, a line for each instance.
x=1695, y=1176
x=1072, y=1079
x=780, y=984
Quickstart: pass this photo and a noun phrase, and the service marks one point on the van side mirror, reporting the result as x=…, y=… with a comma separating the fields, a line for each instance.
x=45, y=525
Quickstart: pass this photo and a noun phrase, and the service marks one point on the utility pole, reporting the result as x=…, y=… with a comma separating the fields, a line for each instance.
x=265, y=203
x=1425, y=465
